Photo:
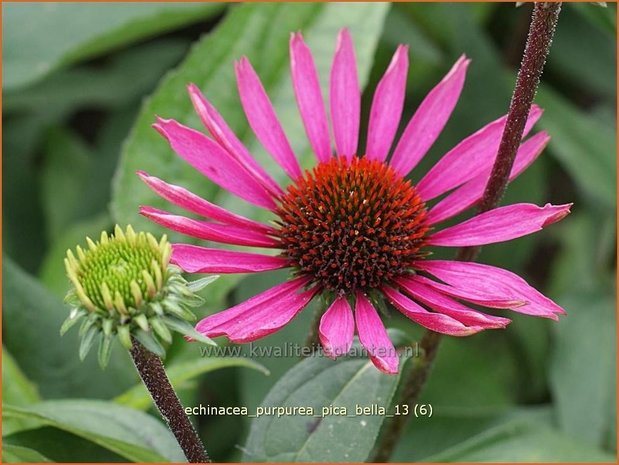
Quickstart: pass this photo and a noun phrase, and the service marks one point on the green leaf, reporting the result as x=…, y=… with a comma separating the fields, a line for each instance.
x=18, y=454
x=23, y=228
x=451, y=428
x=138, y=397
x=65, y=178
x=472, y=361
x=319, y=383
x=491, y=435
x=130, y=433
x=604, y=19
x=17, y=389
x=523, y=442
x=131, y=73
x=61, y=446
x=581, y=51
x=583, y=381
x=247, y=30
x=584, y=264
x=584, y=147
x=515, y=435
x=52, y=362
x=33, y=45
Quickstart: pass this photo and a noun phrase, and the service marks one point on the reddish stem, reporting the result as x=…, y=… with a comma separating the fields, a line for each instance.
x=153, y=375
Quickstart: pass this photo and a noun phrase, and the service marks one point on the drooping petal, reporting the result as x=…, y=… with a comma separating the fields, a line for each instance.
x=223, y=233
x=263, y=120
x=274, y=293
x=309, y=97
x=475, y=281
x=470, y=157
x=373, y=336
x=387, y=106
x=268, y=318
x=214, y=162
x=337, y=328
x=499, y=225
x=222, y=133
x=259, y=316
x=471, y=192
x=191, y=202
x=437, y=322
x=448, y=306
x=195, y=259
x=345, y=97
x=505, y=301
x=429, y=119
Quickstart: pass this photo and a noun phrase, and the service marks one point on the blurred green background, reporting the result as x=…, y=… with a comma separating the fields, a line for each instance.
x=81, y=86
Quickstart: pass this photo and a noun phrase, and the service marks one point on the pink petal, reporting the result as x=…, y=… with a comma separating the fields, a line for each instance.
x=387, y=106
x=499, y=225
x=373, y=336
x=345, y=97
x=309, y=97
x=337, y=328
x=195, y=204
x=259, y=316
x=262, y=118
x=487, y=300
x=222, y=133
x=477, y=281
x=269, y=295
x=195, y=259
x=448, y=306
x=437, y=322
x=214, y=162
x=466, y=160
x=471, y=192
x=266, y=320
x=223, y=233
x=429, y=119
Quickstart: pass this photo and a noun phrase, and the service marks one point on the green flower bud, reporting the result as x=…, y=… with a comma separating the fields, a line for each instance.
x=124, y=285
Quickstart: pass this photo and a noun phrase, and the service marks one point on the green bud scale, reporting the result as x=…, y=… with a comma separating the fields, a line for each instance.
x=125, y=286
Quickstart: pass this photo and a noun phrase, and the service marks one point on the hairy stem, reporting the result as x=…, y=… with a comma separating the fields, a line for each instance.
x=312, y=341
x=541, y=31
x=153, y=375
x=411, y=389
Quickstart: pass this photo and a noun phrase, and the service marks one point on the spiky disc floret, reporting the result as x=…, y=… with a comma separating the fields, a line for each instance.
x=119, y=273
x=352, y=225
x=124, y=285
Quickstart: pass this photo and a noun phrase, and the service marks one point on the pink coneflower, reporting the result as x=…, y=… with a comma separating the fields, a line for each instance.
x=353, y=228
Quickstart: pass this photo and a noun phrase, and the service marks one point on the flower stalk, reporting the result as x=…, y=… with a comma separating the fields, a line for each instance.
x=153, y=374
x=539, y=39
x=313, y=336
